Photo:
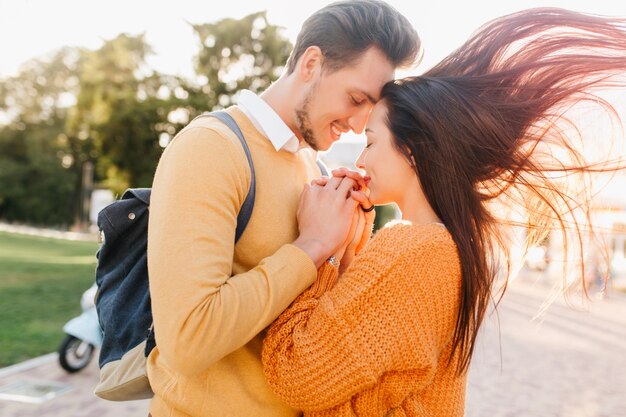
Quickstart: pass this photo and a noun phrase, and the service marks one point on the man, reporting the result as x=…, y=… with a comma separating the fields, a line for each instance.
x=211, y=300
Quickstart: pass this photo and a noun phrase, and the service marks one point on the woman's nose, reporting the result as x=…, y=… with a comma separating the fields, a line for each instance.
x=360, y=162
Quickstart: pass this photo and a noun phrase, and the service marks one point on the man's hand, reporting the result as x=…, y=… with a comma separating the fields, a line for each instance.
x=325, y=217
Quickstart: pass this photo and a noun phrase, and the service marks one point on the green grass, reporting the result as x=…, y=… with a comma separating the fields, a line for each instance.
x=41, y=281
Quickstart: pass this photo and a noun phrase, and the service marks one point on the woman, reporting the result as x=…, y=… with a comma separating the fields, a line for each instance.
x=393, y=332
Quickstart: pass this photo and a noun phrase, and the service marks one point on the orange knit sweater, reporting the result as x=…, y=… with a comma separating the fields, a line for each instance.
x=376, y=343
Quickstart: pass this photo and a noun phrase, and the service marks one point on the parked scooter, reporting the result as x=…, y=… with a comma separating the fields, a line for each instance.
x=83, y=335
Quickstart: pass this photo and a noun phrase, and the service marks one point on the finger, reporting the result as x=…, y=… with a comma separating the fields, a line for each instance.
x=320, y=181
x=356, y=176
x=354, y=227
x=367, y=231
x=355, y=221
x=364, y=239
x=346, y=186
x=308, y=194
x=349, y=237
x=339, y=172
x=333, y=182
x=362, y=198
x=370, y=216
x=358, y=233
x=345, y=172
x=351, y=232
x=360, y=225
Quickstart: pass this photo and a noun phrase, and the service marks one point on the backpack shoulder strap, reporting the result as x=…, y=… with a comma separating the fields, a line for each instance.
x=248, y=205
x=323, y=167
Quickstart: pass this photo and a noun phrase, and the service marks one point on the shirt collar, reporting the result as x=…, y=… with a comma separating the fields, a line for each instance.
x=268, y=122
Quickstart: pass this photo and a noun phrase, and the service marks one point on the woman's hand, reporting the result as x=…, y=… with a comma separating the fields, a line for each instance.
x=362, y=222
x=325, y=217
x=348, y=251
x=359, y=194
x=368, y=217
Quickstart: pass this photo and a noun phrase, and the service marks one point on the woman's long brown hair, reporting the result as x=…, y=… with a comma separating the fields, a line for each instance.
x=474, y=127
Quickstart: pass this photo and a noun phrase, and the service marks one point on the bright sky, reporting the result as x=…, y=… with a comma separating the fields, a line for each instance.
x=31, y=28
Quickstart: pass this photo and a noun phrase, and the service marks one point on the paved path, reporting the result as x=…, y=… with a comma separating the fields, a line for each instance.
x=80, y=402
x=567, y=364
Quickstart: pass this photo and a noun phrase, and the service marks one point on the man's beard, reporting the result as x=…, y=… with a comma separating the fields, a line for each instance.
x=303, y=121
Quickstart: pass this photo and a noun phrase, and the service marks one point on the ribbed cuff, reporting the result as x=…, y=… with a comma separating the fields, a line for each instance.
x=295, y=255
x=326, y=278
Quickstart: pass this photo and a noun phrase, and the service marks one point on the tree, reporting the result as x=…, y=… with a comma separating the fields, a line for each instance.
x=107, y=107
x=239, y=54
x=36, y=177
x=45, y=87
x=131, y=120
x=108, y=118
x=35, y=187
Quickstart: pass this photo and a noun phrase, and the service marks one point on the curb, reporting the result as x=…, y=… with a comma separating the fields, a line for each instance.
x=49, y=233
x=29, y=364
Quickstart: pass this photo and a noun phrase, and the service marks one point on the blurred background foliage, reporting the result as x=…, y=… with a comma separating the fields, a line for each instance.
x=109, y=109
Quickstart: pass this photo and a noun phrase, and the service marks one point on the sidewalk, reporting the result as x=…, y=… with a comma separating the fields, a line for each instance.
x=78, y=402
x=51, y=233
x=567, y=362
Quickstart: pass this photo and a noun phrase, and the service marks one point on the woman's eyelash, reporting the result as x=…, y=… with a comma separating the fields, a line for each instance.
x=357, y=102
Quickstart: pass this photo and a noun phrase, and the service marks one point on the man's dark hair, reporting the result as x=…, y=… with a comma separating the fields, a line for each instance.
x=346, y=29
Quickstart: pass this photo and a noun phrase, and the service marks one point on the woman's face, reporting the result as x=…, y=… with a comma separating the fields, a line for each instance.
x=389, y=172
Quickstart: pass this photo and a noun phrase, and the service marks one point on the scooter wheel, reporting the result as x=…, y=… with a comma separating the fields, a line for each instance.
x=75, y=354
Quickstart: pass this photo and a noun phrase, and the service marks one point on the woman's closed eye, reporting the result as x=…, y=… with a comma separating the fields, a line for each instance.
x=356, y=101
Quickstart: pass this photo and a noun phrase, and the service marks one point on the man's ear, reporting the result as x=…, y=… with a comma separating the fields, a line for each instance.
x=310, y=63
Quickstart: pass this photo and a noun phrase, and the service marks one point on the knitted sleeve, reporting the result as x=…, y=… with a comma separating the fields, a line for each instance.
x=391, y=313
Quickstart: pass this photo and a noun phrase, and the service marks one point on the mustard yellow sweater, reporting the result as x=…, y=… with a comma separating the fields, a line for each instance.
x=211, y=303
x=377, y=342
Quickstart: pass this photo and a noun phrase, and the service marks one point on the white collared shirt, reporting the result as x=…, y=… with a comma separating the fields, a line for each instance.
x=268, y=122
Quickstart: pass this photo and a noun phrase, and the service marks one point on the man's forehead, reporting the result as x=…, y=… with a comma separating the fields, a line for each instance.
x=371, y=86
x=372, y=95
x=369, y=73
x=372, y=98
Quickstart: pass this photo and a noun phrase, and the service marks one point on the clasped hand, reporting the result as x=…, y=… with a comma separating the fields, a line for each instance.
x=330, y=219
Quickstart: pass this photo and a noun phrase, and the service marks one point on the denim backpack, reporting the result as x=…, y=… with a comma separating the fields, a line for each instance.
x=123, y=298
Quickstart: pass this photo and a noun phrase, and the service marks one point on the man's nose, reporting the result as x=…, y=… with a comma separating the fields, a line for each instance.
x=358, y=120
